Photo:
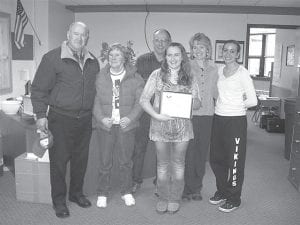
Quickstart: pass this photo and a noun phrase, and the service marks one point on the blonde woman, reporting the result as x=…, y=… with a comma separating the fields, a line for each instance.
x=206, y=75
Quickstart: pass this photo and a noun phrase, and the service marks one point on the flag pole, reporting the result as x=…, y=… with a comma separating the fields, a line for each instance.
x=31, y=25
x=34, y=31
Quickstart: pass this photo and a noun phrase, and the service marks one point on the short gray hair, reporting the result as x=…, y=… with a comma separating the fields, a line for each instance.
x=81, y=24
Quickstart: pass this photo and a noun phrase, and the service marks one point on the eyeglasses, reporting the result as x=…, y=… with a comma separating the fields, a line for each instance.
x=163, y=41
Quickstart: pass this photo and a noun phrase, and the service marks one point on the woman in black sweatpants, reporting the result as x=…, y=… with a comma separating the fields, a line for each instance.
x=229, y=130
x=227, y=156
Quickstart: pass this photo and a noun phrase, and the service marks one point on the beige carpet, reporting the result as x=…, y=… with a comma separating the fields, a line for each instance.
x=267, y=199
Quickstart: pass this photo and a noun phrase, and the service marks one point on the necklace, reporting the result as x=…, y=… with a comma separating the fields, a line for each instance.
x=174, y=75
x=117, y=73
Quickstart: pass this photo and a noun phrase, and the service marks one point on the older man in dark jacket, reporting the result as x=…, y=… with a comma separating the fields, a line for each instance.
x=63, y=93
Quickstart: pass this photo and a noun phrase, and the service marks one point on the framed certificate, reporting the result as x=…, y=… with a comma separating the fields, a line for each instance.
x=176, y=104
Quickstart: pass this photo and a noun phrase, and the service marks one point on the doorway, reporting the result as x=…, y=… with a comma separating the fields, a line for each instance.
x=266, y=54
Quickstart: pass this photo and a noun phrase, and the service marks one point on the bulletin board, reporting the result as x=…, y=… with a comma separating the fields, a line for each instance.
x=25, y=53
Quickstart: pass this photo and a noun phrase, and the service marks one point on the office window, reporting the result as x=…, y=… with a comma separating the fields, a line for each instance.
x=261, y=51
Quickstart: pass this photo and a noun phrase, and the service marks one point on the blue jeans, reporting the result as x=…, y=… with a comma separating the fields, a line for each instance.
x=108, y=140
x=170, y=169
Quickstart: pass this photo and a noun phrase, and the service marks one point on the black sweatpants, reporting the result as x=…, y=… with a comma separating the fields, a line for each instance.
x=227, y=155
x=196, y=155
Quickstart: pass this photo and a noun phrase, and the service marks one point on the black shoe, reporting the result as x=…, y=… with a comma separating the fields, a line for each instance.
x=228, y=206
x=217, y=199
x=156, y=192
x=81, y=201
x=61, y=210
x=186, y=197
x=197, y=196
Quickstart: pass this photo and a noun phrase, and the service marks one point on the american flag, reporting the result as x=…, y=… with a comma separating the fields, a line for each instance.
x=20, y=23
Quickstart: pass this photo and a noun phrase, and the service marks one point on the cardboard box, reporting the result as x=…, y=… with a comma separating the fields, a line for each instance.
x=32, y=180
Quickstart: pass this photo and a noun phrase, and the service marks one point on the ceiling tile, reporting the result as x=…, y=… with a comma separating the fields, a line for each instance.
x=126, y=2
x=66, y=2
x=238, y=2
x=279, y=3
x=94, y=2
x=84, y=2
x=200, y=2
x=163, y=2
x=274, y=3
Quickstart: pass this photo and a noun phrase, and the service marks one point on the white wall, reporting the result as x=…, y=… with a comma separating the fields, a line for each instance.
x=285, y=77
x=59, y=21
x=121, y=27
x=41, y=20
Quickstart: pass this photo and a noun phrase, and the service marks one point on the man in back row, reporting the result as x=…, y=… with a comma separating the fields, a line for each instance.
x=146, y=64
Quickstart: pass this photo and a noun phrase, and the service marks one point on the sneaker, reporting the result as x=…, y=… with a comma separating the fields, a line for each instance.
x=161, y=207
x=135, y=187
x=173, y=207
x=102, y=202
x=217, y=199
x=228, y=207
x=128, y=199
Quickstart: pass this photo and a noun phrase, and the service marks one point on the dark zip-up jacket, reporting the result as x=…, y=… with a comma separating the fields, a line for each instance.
x=61, y=83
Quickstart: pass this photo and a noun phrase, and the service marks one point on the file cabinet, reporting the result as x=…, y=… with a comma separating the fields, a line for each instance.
x=294, y=170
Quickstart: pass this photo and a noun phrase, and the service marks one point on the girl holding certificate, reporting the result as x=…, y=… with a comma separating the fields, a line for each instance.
x=229, y=131
x=170, y=134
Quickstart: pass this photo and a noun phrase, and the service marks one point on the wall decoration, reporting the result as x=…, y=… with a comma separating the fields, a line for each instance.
x=25, y=53
x=290, y=55
x=105, y=47
x=219, y=52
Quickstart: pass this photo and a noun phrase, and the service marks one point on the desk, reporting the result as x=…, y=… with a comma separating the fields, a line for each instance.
x=18, y=135
x=267, y=105
x=271, y=104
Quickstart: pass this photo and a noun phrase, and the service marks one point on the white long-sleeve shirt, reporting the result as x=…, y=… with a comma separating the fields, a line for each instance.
x=236, y=93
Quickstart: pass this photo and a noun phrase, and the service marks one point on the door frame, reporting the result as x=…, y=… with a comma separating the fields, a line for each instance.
x=8, y=88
